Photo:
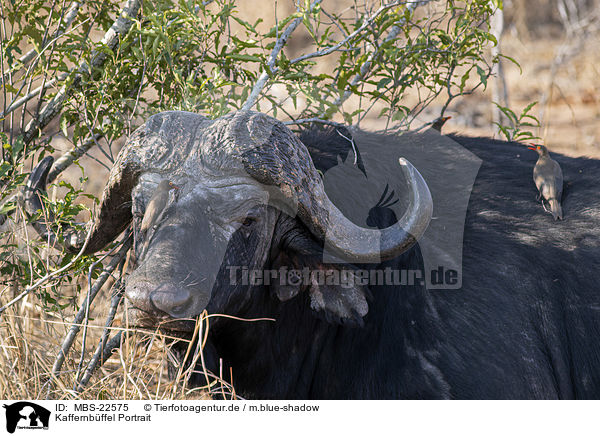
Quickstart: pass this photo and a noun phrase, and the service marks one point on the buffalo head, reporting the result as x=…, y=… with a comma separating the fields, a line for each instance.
x=249, y=198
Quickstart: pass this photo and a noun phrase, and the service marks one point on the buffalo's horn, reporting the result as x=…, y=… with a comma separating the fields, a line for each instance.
x=280, y=159
x=115, y=210
x=362, y=245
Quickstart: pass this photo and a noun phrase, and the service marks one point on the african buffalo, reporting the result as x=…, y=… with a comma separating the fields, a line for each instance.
x=521, y=319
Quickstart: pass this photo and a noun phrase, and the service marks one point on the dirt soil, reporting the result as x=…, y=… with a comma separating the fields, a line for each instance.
x=569, y=104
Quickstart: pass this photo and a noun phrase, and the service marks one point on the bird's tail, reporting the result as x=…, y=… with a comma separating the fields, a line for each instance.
x=555, y=209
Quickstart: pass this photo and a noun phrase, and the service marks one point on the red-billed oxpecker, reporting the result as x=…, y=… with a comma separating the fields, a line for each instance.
x=438, y=123
x=548, y=178
x=154, y=211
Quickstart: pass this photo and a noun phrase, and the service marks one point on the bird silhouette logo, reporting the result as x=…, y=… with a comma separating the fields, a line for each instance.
x=26, y=415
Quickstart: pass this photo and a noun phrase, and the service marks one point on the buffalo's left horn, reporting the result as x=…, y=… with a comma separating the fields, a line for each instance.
x=362, y=245
x=280, y=159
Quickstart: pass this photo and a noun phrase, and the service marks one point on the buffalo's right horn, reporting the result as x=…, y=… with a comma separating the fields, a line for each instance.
x=115, y=211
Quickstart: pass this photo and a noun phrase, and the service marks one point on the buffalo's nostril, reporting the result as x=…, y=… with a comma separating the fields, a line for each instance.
x=176, y=302
x=137, y=294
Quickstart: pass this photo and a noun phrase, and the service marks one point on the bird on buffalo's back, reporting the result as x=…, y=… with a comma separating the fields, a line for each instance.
x=154, y=211
x=548, y=179
x=438, y=123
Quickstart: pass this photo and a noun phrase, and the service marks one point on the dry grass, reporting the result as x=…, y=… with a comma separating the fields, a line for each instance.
x=30, y=338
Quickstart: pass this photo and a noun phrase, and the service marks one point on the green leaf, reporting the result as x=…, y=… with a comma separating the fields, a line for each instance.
x=503, y=130
x=244, y=57
x=277, y=29
x=17, y=147
x=64, y=124
x=7, y=207
x=528, y=108
x=383, y=82
x=11, y=88
x=483, y=76
x=513, y=61
x=245, y=24
x=497, y=3
x=4, y=168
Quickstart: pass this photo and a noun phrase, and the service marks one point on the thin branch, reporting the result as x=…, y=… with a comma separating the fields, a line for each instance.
x=499, y=88
x=111, y=38
x=72, y=155
x=21, y=101
x=69, y=18
x=47, y=277
x=2, y=39
x=44, y=69
x=15, y=104
x=315, y=120
x=279, y=44
x=102, y=354
x=59, y=166
x=366, y=67
x=577, y=31
x=87, y=314
x=103, y=344
x=182, y=365
x=368, y=22
x=334, y=22
x=76, y=324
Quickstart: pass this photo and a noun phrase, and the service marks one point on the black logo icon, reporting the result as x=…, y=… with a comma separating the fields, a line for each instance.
x=26, y=415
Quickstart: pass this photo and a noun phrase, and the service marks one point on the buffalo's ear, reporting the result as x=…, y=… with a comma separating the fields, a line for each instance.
x=284, y=285
x=335, y=290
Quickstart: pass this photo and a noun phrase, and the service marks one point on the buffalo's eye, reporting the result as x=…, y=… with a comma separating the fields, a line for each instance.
x=248, y=222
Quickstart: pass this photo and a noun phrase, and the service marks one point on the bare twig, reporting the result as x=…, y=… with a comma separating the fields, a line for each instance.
x=32, y=94
x=70, y=156
x=47, y=277
x=119, y=28
x=102, y=354
x=279, y=44
x=195, y=335
x=87, y=313
x=76, y=325
x=98, y=356
x=577, y=32
x=201, y=343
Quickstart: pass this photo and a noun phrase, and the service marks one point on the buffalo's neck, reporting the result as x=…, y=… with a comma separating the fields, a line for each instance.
x=273, y=359
x=297, y=355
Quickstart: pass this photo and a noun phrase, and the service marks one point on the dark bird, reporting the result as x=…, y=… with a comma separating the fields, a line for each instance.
x=548, y=178
x=154, y=211
x=439, y=122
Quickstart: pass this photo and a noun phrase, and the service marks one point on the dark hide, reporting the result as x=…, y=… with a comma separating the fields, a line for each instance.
x=526, y=323
x=327, y=144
